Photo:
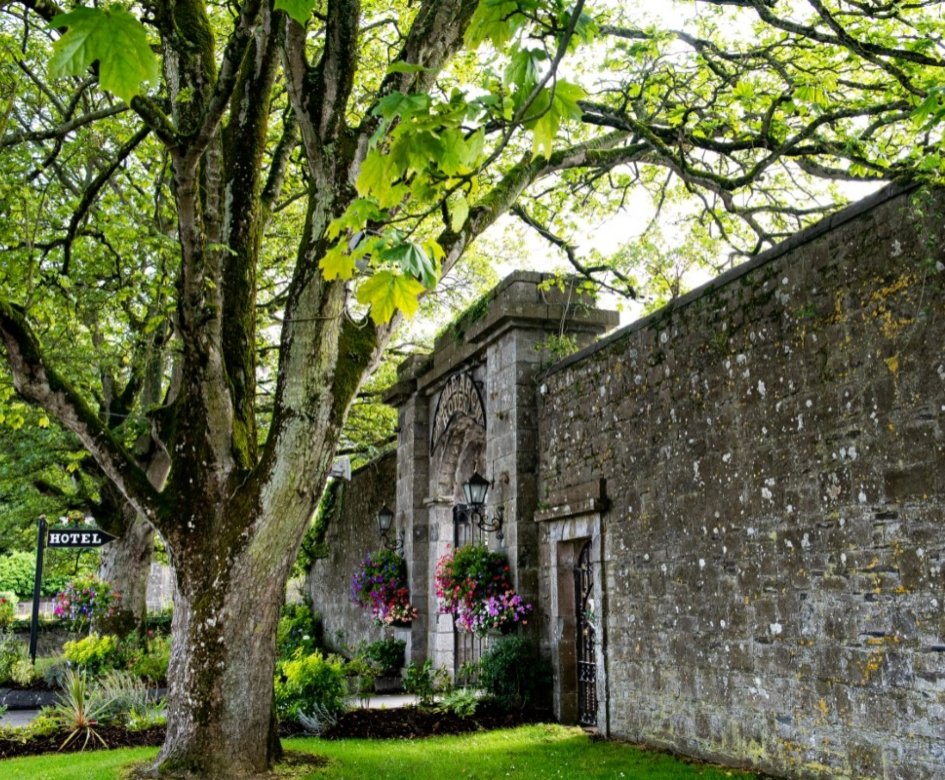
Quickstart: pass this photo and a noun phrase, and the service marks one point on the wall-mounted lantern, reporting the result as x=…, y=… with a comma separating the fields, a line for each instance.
x=385, y=522
x=475, y=490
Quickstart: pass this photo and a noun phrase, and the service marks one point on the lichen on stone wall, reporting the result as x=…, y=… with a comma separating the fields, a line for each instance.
x=775, y=460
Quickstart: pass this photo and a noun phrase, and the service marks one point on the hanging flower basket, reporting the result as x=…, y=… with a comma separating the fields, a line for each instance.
x=381, y=586
x=473, y=585
x=86, y=599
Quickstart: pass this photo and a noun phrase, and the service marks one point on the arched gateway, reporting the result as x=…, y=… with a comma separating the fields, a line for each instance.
x=470, y=408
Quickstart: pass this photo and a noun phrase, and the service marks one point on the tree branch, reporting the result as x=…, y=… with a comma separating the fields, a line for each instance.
x=39, y=383
x=588, y=272
x=92, y=191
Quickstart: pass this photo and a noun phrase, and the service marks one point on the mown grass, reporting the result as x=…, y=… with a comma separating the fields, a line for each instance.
x=540, y=752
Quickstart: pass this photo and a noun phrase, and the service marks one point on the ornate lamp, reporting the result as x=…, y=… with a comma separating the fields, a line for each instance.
x=385, y=521
x=475, y=490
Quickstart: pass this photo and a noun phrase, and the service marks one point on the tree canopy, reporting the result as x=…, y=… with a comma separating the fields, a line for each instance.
x=217, y=215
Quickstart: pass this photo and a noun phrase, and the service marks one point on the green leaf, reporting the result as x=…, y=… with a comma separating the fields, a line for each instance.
x=399, y=104
x=376, y=175
x=300, y=10
x=932, y=109
x=454, y=155
x=358, y=213
x=337, y=263
x=496, y=21
x=459, y=210
x=113, y=37
x=413, y=260
x=433, y=248
x=386, y=292
x=522, y=70
x=549, y=109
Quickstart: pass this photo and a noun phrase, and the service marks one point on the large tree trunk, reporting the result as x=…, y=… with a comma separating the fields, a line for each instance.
x=220, y=713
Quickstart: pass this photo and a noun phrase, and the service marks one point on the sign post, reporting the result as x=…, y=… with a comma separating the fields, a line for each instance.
x=37, y=583
x=60, y=537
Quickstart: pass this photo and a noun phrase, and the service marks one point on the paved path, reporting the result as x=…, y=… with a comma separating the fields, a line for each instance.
x=384, y=702
x=17, y=717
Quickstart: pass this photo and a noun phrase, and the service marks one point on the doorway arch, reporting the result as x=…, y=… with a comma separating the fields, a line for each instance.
x=458, y=450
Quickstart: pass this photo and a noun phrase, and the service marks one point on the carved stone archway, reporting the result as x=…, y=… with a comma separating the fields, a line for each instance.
x=458, y=449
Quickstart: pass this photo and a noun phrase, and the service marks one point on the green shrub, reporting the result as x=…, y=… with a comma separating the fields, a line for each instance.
x=8, y=602
x=298, y=631
x=12, y=650
x=388, y=654
x=17, y=572
x=43, y=725
x=94, y=653
x=127, y=697
x=155, y=714
x=425, y=682
x=362, y=672
x=151, y=663
x=310, y=679
x=23, y=673
x=461, y=702
x=52, y=670
x=513, y=674
x=160, y=622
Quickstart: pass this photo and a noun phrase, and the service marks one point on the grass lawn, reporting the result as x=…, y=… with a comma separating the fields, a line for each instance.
x=527, y=752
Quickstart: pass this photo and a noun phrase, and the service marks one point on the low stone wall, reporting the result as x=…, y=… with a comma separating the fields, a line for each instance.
x=351, y=533
x=772, y=518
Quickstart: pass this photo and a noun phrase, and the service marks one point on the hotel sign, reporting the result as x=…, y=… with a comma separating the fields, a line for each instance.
x=78, y=537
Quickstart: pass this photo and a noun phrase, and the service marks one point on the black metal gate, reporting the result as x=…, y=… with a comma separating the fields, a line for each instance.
x=586, y=638
x=467, y=648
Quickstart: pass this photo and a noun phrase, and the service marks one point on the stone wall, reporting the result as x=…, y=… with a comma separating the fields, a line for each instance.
x=771, y=519
x=351, y=533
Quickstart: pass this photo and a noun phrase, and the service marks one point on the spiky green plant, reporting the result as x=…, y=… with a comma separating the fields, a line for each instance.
x=78, y=709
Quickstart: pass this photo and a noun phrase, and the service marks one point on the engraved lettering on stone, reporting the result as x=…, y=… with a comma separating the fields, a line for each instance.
x=460, y=398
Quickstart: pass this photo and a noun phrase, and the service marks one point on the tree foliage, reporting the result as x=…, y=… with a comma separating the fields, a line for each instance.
x=199, y=274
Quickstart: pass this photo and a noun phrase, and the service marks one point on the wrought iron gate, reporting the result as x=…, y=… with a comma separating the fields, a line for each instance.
x=467, y=648
x=586, y=638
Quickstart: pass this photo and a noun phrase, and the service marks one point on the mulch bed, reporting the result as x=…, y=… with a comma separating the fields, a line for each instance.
x=400, y=723
x=114, y=736
x=413, y=722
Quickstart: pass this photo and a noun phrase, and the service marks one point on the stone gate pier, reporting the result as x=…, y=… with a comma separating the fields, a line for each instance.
x=470, y=407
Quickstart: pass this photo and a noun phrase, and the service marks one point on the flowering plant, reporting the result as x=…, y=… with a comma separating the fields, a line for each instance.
x=75, y=519
x=381, y=585
x=84, y=599
x=7, y=608
x=472, y=585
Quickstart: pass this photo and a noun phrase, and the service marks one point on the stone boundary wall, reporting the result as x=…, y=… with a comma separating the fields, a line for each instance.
x=351, y=532
x=772, y=519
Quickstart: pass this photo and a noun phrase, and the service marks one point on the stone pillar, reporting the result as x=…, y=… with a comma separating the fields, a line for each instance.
x=411, y=514
x=512, y=361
